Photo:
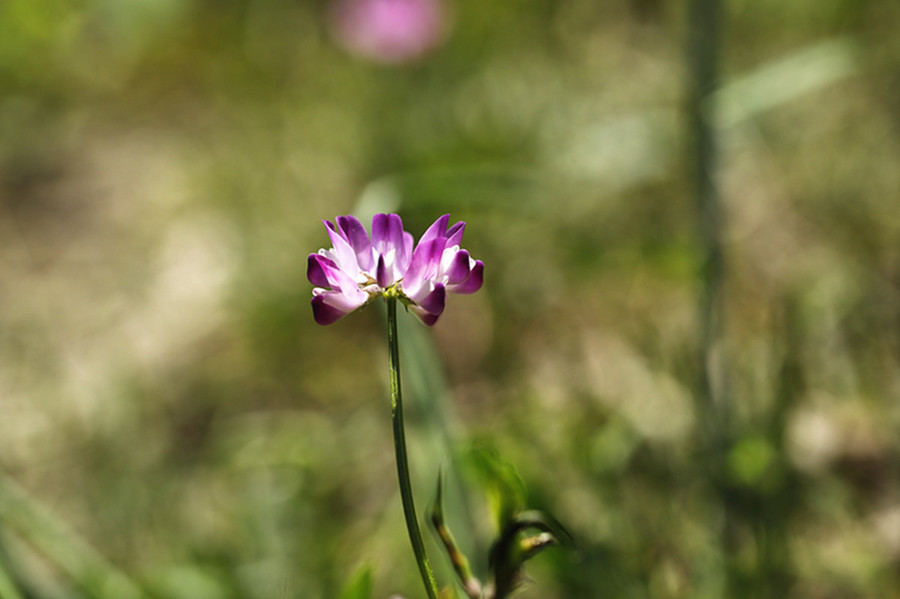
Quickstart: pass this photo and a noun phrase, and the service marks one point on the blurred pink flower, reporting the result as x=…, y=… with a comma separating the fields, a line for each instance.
x=389, y=31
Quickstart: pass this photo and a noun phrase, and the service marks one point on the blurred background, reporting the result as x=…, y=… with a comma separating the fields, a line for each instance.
x=687, y=348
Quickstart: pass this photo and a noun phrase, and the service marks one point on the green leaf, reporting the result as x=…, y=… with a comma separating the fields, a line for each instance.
x=459, y=561
x=360, y=585
x=7, y=586
x=500, y=481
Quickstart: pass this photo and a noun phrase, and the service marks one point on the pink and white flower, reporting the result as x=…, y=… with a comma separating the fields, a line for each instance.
x=357, y=268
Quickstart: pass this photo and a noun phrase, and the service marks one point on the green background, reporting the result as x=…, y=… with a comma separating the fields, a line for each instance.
x=173, y=424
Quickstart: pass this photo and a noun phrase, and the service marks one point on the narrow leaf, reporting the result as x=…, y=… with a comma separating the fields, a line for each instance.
x=360, y=584
x=460, y=563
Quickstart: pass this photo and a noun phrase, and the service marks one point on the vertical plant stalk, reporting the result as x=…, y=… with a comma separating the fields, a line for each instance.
x=705, y=19
x=409, y=507
x=703, y=53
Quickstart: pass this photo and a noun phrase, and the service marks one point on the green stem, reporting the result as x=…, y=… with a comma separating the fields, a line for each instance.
x=409, y=508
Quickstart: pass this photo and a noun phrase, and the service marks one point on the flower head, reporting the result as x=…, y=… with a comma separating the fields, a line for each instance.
x=389, y=31
x=358, y=268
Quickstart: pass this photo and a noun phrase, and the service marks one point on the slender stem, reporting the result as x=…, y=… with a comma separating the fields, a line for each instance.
x=705, y=19
x=409, y=508
x=703, y=52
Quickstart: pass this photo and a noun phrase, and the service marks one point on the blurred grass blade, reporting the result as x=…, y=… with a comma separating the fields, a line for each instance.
x=360, y=585
x=7, y=586
x=62, y=546
x=783, y=80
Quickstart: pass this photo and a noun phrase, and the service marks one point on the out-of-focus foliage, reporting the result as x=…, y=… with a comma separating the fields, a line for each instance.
x=174, y=424
x=360, y=586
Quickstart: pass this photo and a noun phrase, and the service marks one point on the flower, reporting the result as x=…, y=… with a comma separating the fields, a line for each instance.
x=357, y=268
x=389, y=31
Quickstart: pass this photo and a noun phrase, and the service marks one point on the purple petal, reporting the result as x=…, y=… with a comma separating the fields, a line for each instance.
x=381, y=274
x=387, y=232
x=355, y=233
x=428, y=319
x=325, y=314
x=330, y=306
x=424, y=264
x=434, y=302
x=459, y=268
x=348, y=286
x=474, y=282
x=404, y=255
x=437, y=230
x=455, y=234
x=316, y=270
x=346, y=257
x=337, y=279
